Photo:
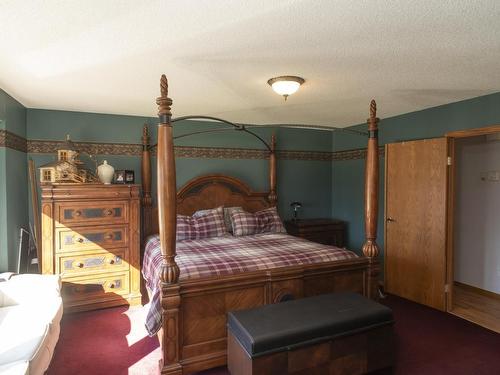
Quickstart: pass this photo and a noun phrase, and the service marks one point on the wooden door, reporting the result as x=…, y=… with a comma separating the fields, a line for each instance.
x=415, y=221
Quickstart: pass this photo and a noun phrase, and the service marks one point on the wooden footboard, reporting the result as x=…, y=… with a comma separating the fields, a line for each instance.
x=199, y=333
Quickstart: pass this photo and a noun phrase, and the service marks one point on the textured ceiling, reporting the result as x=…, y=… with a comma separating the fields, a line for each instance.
x=107, y=56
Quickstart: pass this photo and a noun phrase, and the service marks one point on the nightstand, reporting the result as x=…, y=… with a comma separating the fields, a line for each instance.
x=324, y=231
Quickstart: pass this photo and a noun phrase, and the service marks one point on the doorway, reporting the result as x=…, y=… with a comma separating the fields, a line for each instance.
x=473, y=261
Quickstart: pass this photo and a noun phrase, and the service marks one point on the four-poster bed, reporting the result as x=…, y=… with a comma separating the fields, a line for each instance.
x=193, y=310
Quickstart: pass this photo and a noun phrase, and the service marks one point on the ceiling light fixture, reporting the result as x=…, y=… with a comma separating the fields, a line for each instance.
x=286, y=85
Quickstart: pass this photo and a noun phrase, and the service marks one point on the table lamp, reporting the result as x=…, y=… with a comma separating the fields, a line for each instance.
x=296, y=207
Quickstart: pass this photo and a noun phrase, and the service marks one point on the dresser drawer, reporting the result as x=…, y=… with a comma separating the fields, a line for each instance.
x=95, y=287
x=91, y=238
x=91, y=213
x=98, y=262
x=78, y=192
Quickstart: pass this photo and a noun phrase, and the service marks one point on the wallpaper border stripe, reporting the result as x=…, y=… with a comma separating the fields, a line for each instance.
x=13, y=141
x=359, y=153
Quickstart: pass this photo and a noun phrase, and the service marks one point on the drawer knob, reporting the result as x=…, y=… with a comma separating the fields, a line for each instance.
x=111, y=261
x=80, y=265
x=108, y=236
x=108, y=212
x=77, y=213
x=112, y=285
x=80, y=239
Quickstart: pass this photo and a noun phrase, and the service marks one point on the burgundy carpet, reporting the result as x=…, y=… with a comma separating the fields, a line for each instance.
x=113, y=342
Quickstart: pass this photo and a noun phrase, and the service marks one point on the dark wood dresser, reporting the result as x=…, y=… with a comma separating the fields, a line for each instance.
x=324, y=231
x=91, y=237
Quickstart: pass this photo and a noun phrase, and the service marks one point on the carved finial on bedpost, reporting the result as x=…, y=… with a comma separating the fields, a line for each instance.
x=373, y=109
x=164, y=102
x=373, y=120
x=273, y=197
x=164, y=85
x=370, y=247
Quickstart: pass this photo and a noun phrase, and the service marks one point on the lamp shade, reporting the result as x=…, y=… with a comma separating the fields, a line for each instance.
x=286, y=85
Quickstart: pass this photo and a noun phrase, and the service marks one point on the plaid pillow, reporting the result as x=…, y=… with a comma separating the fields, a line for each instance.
x=227, y=216
x=265, y=221
x=209, y=223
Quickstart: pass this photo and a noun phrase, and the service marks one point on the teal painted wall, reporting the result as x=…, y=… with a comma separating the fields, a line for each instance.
x=4, y=256
x=12, y=114
x=326, y=189
x=348, y=176
x=54, y=125
x=305, y=181
x=13, y=183
x=17, y=201
x=3, y=195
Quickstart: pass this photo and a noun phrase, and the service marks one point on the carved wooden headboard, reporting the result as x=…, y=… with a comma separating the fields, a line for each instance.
x=211, y=191
x=218, y=190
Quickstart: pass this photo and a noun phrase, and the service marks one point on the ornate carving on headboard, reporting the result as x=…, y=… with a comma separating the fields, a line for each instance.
x=204, y=184
x=218, y=190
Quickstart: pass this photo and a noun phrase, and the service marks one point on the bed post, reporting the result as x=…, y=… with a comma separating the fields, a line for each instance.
x=370, y=247
x=146, y=183
x=170, y=300
x=273, y=197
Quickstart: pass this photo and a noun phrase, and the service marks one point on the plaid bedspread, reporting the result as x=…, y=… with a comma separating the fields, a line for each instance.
x=221, y=256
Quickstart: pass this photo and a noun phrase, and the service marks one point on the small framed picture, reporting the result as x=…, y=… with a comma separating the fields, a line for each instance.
x=124, y=177
x=129, y=177
x=119, y=177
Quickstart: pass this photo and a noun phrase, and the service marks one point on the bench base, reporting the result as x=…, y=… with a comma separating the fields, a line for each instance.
x=356, y=354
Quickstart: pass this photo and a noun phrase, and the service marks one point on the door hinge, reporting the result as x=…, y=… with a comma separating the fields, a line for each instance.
x=447, y=288
x=448, y=161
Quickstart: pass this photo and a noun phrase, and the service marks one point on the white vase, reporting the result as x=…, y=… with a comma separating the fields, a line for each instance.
x=105, y=172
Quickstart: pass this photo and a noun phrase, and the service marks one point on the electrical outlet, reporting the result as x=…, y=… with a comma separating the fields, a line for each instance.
x=491, y=176
x=494, y=176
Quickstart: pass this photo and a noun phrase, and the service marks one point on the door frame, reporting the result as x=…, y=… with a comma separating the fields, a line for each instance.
x=451, y=138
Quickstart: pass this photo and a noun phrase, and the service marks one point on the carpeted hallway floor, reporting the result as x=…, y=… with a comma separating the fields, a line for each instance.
x=113, y=342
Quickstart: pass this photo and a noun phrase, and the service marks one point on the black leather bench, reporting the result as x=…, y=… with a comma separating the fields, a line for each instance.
x=340, y=333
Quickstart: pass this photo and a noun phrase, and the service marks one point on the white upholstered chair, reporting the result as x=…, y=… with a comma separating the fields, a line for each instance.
x=30, y=314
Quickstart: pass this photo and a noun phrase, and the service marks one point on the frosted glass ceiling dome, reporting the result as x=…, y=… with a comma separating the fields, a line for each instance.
x=286, y=85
